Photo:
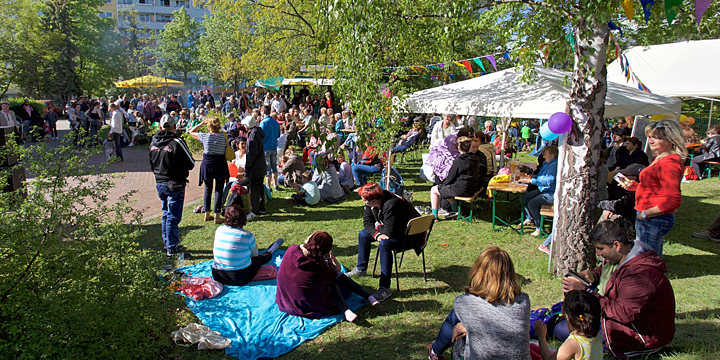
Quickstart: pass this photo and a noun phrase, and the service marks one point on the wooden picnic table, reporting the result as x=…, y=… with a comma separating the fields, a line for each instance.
x=348, y=130
x=513, y=193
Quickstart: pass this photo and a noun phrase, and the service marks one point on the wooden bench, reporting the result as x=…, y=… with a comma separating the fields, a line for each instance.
x=711, y=165
x=546, y=211
x=470, y=200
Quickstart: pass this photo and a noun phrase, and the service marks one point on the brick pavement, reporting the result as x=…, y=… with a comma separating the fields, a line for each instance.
x=136, y=175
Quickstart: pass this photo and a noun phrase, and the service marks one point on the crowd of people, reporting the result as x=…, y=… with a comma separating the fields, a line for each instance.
x=638, y=195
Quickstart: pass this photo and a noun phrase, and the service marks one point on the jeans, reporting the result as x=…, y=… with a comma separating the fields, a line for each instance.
x=548, y=241
x=360, y=173
x=651, y=231
x=209, y=192
x=386, y=257
x=95, y=126
x=444, y=337
x=534, y=200
x=117, y=139
x=400, y=148
x=281, y=180
x=172, y=206
x=271, y=161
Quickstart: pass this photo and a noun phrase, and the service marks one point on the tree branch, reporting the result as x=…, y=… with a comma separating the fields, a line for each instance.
x=489, y=5
x=302, y=18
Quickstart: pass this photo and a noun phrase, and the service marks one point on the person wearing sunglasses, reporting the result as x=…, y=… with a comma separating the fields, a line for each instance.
x=657, y=195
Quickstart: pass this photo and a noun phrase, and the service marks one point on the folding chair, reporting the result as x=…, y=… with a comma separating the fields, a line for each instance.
x=418, y=225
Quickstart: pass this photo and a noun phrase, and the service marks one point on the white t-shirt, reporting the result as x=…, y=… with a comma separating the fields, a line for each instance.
x=282, y=141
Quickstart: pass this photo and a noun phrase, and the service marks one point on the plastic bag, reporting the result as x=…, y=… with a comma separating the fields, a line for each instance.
x=200, y=288
x=201, y=335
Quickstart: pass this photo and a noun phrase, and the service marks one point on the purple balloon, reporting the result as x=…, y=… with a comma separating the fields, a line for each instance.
x=560, y=123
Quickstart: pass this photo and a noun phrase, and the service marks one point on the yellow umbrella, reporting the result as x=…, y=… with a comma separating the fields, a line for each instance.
x=148, y=81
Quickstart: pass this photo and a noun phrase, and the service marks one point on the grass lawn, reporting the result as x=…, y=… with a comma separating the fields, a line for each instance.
x=403, y=326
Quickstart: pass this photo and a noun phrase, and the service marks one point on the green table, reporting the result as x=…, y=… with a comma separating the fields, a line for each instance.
x=512, y=193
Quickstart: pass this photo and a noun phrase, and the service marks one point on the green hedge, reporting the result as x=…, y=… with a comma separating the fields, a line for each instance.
x=16, y=102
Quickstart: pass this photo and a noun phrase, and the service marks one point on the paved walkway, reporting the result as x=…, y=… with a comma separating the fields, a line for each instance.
x=136, y=175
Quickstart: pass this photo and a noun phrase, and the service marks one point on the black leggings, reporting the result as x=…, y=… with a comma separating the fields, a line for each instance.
x=242, y=276
x=341, y=290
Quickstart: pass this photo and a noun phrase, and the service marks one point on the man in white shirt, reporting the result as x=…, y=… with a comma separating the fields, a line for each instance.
x=7, y=118
x=278, y=105
x=116, y=127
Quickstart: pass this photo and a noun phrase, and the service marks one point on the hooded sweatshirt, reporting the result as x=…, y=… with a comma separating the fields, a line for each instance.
x=638, y=309
x=170, y=158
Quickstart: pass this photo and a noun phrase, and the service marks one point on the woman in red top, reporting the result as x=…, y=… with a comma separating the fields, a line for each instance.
x=657, y=196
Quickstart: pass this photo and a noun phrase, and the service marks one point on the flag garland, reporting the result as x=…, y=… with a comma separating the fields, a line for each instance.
x=630, y=74
x=464, y=63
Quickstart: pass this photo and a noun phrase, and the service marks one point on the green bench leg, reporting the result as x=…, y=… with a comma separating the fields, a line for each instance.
x=460, y=216
x=542, y=227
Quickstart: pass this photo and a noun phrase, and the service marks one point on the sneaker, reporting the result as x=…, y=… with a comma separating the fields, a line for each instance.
x=528, y=222
x=704, y=235
x=357, y=272
x=442, y=214
x=544, y=249
x=382, y=294
x=428, y=210
x=186, y=255
x=451, y=215
x=251, y=216
x=420, y=209
x=373, y=301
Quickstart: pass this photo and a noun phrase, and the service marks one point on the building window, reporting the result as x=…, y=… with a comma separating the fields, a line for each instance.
x=146, y=2
x=108, y=1
x=124, y=1
x=163, y=18
x=105, y=15
x=164, y=2
x=145, y=17
x=180, y=3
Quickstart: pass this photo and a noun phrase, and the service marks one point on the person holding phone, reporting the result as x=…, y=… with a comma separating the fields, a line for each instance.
x=657, y=195
x=636, y=298
x=310, y=282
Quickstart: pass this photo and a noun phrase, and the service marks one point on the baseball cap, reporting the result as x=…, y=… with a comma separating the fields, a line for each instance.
x=632, y=170
x=230, y=116
x=249, y=122
x=167, y=122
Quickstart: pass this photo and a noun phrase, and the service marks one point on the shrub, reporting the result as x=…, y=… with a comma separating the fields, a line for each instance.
x=72, y=282
x=16, y=102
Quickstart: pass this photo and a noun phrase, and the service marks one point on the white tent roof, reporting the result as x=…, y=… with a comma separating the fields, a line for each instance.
x=503, y=94
x=681, y=69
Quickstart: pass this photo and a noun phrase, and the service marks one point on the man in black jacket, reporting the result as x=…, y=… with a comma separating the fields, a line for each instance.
x=385, y=220
x=255, y=167
x=171, y=162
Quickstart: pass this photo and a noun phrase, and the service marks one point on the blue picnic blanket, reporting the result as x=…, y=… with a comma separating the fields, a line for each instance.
x=249, y=317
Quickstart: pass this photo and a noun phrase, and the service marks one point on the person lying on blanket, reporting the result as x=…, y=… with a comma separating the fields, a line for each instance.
x=310, y=283
x=235, y=252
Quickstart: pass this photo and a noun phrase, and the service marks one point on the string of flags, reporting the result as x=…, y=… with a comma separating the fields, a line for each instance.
x=671, y=7
x=630, y=74
x=465, y=64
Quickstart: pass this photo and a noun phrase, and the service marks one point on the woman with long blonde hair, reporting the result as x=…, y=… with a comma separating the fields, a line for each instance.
x=492, y=317
x=657, y=195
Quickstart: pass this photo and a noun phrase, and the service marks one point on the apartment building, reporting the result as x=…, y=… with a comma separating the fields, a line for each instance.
x=154, y=14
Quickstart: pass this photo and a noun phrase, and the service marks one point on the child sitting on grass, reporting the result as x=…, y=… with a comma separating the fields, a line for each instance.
x=582, y=311
x=308, y=193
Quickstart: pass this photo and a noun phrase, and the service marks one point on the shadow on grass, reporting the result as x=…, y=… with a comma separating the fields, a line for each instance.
x=691, y=266
x=700, y=314
x=152, y=238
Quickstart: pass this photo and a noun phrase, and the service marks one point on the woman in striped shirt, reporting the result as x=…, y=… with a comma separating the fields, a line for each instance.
x=235, y=252
x=214, y=167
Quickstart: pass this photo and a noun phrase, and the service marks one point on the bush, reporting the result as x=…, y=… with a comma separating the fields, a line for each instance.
x=16, y=102
x=72, y=282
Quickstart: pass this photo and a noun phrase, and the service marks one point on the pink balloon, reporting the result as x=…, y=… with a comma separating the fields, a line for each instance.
x=560, y=123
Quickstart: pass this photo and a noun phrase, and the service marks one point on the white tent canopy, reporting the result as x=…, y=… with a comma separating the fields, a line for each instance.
x=502, y=94
x=684, y=69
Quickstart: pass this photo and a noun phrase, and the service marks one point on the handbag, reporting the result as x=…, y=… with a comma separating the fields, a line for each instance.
x=229, y=153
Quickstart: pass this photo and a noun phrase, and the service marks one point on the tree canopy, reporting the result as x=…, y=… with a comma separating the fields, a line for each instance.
x=176, y=51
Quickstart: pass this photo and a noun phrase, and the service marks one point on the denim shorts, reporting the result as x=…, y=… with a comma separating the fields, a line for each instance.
x=271, y=161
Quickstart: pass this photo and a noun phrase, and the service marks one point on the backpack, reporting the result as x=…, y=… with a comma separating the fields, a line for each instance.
x=238, y=195
x=690, y=173
x=397, y=185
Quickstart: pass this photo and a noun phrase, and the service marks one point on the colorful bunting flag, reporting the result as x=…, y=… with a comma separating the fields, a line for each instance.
x=543, y=49
x=467, y=66
x=612, y=26
x=646, y=5
x=459, y=64
x=492, y=61
x=507, y=55
x=478, y=61
x=571, y=40
x=629, y=8
x=670, y=6
x=700, y=7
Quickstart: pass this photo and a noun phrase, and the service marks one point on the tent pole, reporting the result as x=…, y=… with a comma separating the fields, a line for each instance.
x=710, y=117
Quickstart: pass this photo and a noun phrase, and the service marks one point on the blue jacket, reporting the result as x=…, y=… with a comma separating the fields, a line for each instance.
x=271, y=128
x=190, y=101
x=545, y=179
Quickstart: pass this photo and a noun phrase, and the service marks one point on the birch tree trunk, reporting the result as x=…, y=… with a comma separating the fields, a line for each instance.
x=577, y=181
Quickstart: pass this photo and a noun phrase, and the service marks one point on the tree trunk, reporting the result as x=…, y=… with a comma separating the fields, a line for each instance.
x=577, y=181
